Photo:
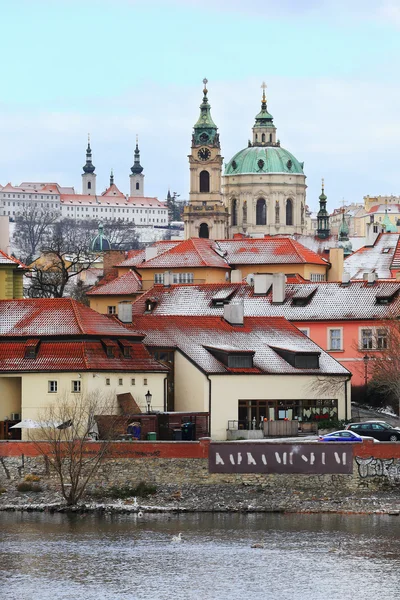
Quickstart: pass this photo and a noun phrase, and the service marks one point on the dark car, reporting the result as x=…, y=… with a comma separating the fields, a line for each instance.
x=378, y=430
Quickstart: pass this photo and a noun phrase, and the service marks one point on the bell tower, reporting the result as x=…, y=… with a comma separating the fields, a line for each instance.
x=88, y=175
x=206, y=215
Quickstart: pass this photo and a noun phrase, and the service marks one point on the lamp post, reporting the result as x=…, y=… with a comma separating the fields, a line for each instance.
x=148, y=397
x=366, y=359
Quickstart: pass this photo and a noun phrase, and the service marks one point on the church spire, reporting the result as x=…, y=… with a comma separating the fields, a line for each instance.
x=323, y=230
x=264, y=130
x=137, y=167
x=111, y=178
x=88, y=167
x=205, y=130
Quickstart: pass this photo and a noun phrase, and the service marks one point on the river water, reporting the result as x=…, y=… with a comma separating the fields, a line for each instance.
x=85, y=557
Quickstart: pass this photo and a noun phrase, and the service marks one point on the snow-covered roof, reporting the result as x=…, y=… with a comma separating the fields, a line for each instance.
x=374, y=259
x=325, y=301
x=197, y=336
x=128, y=283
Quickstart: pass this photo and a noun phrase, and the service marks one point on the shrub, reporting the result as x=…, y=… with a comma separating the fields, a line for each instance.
x=32, y=477
x=27, y=486
x=142, y=490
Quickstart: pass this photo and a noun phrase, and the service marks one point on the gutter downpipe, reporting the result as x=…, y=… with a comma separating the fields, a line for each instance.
x=209, y=406
x=345, y=398
x=165, y=393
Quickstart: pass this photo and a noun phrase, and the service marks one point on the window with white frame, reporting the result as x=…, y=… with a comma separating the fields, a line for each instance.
x=108, y=382
x=76, y=386
x=183, y=278
x=111, y=310
x=52, y=387
x=317, y=277
x=335, y=339
x=305, y=330
x=374, y=339
x=367, y=339
x=158, y=277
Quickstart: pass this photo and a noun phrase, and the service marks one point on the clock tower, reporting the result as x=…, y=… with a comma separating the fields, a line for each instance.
x=206, y=215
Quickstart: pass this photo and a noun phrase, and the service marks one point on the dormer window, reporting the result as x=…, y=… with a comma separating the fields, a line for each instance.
x=299, y=359
x=232, y=357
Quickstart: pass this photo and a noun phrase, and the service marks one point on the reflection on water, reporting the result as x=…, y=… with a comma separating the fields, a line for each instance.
x=304, y=557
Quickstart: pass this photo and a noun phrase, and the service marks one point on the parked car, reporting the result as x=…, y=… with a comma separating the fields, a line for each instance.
x=376, y=429
x=341, y=436
x=383, y=423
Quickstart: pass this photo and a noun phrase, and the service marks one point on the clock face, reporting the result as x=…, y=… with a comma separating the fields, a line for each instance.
x=204, y=154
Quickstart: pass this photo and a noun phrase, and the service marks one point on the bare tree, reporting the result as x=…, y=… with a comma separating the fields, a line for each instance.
x=32, y=225
x=66, y=440
x=121, y=234
x=66, y=254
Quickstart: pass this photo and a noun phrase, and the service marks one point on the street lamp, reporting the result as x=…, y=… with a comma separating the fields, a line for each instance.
x=148, y=397
x=366, y=359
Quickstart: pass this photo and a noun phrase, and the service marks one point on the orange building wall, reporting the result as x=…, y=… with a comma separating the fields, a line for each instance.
x=351, y=357
x=201, y=275
x=304, y=270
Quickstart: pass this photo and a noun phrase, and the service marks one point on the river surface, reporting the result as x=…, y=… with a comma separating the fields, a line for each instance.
x=85, y=557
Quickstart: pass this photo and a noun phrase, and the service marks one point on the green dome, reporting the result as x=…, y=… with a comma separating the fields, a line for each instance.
x=263, y=159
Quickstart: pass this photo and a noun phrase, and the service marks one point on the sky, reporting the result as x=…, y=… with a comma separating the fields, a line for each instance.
x=117, y=68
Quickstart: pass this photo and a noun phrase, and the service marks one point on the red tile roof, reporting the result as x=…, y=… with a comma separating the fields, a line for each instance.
x=55, y=317
x=269, y=250
x=137, y=257
x=129, y=283
x=192, y=335
x=192, y=253
x=6, y=259
x=83, y=355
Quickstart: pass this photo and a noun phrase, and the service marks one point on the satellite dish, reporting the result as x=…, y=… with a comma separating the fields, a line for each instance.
x=250, y=279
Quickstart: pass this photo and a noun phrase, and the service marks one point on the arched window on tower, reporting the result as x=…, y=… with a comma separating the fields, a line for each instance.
x=204, y=181
x=203, y=231
x=234, y=212
x=137, y=185
x=261, y=212
x=89, y=185
x=289, y=211
x=244, y=213
x=256, y=137
x=270, y=137
x=263, y=137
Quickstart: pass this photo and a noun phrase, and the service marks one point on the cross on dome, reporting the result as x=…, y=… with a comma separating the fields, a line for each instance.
x=263, y=87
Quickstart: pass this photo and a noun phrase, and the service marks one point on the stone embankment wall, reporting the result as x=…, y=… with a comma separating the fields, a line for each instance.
x=177, y=464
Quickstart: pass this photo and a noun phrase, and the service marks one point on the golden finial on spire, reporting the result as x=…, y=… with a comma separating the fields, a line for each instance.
x=264, y=87
x=323, y=184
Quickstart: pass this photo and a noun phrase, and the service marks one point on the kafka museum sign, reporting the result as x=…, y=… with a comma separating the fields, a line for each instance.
x=266, y=457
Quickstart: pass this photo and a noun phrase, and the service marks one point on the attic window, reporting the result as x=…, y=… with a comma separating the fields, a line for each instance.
x=150, y=305
x=299, y=359
x=31, y=348
x=108, y=347
x=233, y=358
x=125, y=347
x=303, y=295
x=222, y=297
x=386, y=250
x=386, y=294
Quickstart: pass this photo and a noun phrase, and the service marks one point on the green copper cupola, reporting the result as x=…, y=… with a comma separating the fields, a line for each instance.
x=264, y=130
x=205, y=130
x=323, y=230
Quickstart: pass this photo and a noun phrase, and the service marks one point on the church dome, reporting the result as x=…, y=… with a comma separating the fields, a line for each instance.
x=264, y=159
x=100, y=243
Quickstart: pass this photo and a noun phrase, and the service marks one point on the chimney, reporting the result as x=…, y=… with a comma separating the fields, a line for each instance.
x=336, y=258
x=236, y=276
x=150, y=252
x=234, y=313
x=278, y=288
x=4, y=235
x=262, y=283
x=370, y=234
x=345, y=278
x=371, y=278
x=125, y=311
x=168, y=278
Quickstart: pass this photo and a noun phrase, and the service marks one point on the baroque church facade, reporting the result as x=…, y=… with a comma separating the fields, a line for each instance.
x=261, y=192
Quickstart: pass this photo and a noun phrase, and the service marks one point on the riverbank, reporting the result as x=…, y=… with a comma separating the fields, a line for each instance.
x=216, y=498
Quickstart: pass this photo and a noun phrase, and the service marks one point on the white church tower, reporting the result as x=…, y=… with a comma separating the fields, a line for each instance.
x=88, y=175
x=137, y=177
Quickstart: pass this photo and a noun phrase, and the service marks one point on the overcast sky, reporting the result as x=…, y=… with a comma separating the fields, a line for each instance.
x=115, y=68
